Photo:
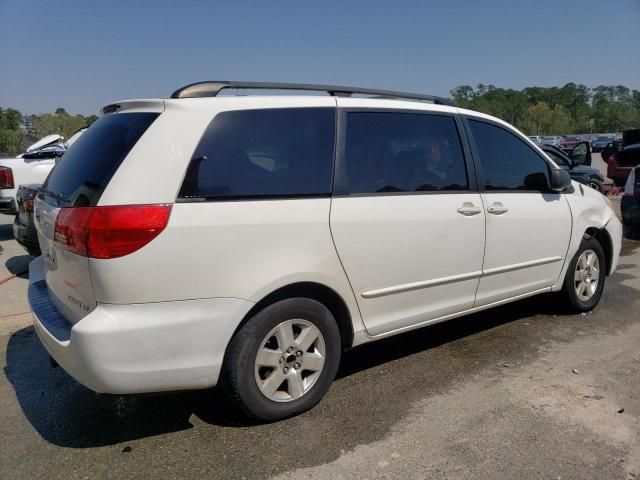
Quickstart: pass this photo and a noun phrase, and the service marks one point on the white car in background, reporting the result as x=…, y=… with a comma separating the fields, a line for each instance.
x=30, y=167
x=248, y=240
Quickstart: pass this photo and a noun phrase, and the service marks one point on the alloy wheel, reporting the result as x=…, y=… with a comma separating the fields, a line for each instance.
x=587, y=275
x=289, y=360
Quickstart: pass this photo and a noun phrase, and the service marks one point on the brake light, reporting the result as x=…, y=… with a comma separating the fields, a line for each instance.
x=111, y=231
x=6, y=177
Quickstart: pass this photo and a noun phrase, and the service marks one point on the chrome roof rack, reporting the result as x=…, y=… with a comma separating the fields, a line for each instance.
x=213, y=88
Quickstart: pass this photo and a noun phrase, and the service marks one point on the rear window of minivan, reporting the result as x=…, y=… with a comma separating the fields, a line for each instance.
x=286, y=152
x=87, y=167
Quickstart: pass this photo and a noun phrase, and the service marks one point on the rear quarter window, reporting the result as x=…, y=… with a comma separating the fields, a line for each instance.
x=263, y=153
x=87, y=167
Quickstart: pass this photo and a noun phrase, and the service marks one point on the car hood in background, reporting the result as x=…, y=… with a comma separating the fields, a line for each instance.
x=585, y=170
x=45, y=141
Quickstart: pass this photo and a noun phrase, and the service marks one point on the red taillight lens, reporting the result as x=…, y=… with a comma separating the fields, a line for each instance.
x=109, y=232
x=6, y=178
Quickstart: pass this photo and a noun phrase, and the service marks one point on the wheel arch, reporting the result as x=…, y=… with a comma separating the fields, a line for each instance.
x=604, y=239
x=314, y=291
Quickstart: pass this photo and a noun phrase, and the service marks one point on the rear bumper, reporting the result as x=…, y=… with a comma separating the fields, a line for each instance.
x=618, y=174
x=138, y=348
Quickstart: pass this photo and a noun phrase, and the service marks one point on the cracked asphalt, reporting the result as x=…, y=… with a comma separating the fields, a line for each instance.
x=522, y=391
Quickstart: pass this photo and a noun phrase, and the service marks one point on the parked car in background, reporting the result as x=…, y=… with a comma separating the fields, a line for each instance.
x=551, y=140
x=577, y=163
x=536, y=138
x=630, y=204
x=31, y=167
x=622, y=156
x=600, y=142
x=568, y=142
x=24, y=229
x=150, y=279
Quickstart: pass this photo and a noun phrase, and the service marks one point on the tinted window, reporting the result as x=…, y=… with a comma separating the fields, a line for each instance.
x=403, y=152
x=258, y=153
x=87, y=167
x=508, y=163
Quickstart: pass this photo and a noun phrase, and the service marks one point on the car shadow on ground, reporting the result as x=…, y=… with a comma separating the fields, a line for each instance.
x=19, y=265
x=65, y=413
x=6, y=232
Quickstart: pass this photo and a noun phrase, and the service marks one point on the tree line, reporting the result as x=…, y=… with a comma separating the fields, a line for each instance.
x=18, y=131
x=571, y=109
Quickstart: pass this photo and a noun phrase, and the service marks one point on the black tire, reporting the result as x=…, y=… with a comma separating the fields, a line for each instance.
x=596, y=185
x=574, y=302
x=34, y=252
x=238, y=372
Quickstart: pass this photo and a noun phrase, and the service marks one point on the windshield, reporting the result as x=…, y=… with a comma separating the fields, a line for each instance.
x=87, y=167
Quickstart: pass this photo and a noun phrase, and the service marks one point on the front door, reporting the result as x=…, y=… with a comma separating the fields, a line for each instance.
x=528, y=226
x=409, y=224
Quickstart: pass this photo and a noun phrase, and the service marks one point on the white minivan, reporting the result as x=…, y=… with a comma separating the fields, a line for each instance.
x=248, y=240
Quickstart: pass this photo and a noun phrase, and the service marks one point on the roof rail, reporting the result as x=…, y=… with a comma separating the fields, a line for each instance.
x=213, y=88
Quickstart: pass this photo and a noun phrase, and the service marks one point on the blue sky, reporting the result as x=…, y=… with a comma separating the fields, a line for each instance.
x=83, y=54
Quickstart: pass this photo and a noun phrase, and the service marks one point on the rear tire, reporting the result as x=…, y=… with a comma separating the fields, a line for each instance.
x=596, y=185
x=584, y=280
x=283, y=359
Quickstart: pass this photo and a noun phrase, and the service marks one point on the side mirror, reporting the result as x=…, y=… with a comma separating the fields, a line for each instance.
x=560, y=180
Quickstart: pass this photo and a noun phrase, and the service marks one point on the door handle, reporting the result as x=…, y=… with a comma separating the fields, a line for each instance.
x=468, y=209
x=497, y=209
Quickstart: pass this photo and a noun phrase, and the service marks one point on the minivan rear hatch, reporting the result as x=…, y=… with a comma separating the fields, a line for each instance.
x=70, y=196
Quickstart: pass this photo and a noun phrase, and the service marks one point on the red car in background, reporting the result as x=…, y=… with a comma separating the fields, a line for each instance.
x=621, y=158
x=568, y=142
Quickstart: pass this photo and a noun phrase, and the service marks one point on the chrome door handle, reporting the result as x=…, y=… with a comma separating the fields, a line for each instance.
x=468, y=209
x=497, y=209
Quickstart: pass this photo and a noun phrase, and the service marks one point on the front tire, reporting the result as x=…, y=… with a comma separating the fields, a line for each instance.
x=584, y=281
x=282, y=361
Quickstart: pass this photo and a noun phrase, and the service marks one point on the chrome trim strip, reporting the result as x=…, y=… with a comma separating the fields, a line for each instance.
x=407, y=287
x=518, y=266
x=380, y=292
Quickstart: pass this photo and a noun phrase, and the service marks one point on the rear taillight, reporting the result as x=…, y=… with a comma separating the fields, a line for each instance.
x=109, y=232
x=6, y=178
